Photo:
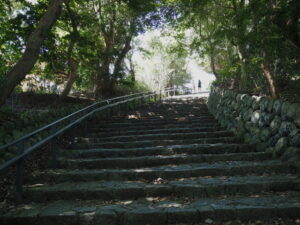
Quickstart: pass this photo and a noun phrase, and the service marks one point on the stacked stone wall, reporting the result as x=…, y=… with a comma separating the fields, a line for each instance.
x=273, y=125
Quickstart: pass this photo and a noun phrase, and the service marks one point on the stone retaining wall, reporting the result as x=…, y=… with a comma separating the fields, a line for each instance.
x=273, y=125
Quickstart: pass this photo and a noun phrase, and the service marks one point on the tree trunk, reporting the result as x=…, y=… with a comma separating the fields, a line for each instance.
x=213, y=66
x=270, y=78
x=241, y=31
x=31, y=53
x=121, y=56
x=132, y=72
x=108, y=84
x=244, y=75
x=102, y=86
x=73, y=66
x=97, y=85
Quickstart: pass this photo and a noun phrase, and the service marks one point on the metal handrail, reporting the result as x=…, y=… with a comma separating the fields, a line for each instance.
x=74, y=119
x=57, y=122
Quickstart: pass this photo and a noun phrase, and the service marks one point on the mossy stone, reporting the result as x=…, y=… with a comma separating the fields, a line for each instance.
x=295, y=140
x=286, y=128
x=247, y=115
x=255, y=104
x=296, y=116
x=284, y=110
x=8, y=125
x=2, y=134
x=263, y=104
x=281, y=145
x=270, y=106
x=17, y=134
x=275, y=124
x=277, y=107
x=265, y=119
x=8, y=156
x=292, y=155
x=255, y=116
x=265, y=134
x=8, y=138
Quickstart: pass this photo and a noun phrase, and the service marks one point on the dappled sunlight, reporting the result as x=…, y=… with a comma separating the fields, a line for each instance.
x=151, y=113
x=171, y=205
x=27, y=207
x=69, y=212
x=36, y=185
x=132, y=117
x=187, y=179
x=127, y=202
x=142, y=170
x=159, y=180
x=175, y=155
x=180, y=119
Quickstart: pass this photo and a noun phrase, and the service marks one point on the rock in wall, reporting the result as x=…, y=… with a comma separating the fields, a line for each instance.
x=273, y=125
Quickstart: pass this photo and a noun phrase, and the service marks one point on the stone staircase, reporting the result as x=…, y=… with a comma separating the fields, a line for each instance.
x=166, y=163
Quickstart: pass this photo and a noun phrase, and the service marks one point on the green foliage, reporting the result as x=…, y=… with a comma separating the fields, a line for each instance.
x=5, y=110
x=239, y=41
x=127, y=86
x=16, y=125
x=163, y=61
x=237, y=37
x=91, y=33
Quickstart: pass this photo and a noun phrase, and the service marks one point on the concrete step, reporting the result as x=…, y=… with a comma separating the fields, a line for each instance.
x=158, y=118
x=152, y=128
x=157, y=136
x=171, y=107
x=149, y=143
x=159, y=160
x=135, y=117
x=154, y=131
x=154, y=211
x=160, y=150
x=146, y=122
x=189, y=187
x=161, y=123
x=185, y=108
x=163, y=114
x=168, y=172
x=169, y=165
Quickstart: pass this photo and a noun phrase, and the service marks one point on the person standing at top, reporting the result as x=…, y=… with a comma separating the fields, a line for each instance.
x=199, y=85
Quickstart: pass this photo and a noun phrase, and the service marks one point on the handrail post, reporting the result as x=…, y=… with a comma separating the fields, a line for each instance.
x=142, y=100
x=54, y=147
x=108, y=113
x=119, y=109
x=85, y=123
x=126, y=108
x=72, y=135
x=85, y=126
x=19, y=175
x=94, y=119
x=135, y=103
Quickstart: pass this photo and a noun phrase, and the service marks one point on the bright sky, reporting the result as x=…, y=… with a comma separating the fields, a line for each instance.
x=32, y=1
x=197, y=72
